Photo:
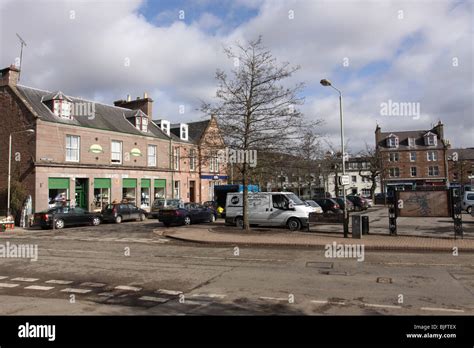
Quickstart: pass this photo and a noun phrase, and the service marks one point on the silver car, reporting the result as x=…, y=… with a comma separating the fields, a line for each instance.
x=468, y=201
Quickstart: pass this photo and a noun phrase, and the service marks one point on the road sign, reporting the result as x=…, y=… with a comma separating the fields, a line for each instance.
x=343, y=180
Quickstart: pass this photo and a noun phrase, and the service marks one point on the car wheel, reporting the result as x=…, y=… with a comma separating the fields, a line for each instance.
x=239, y=222
x=187, y=220
x=59, y=224
x=95, y=221
x=118, y=219
x=142, y=217
x=294, y=224
x=212, y=218
x=469, y=210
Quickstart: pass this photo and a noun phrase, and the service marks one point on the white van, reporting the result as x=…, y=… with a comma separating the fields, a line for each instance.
x=268, y=209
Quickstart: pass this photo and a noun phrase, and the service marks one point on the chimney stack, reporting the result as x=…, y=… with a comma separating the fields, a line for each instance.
x=9, y=76
x=144, y=104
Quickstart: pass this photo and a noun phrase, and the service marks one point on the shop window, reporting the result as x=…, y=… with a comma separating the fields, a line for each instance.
x=58, y=197
x=145, y=194
x=101, y=198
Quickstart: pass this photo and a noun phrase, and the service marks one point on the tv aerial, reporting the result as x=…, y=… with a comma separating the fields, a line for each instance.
x=23, y=43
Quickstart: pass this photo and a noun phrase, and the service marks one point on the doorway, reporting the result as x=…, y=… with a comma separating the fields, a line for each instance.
x=81, y=193
x=192, y=191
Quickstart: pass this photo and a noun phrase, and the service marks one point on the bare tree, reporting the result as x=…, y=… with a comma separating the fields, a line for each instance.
x=255, y=110
x=374, y=167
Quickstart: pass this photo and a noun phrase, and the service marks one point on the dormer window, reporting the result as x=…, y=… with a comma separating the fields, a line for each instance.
x=141, y=121
x=411, y=142
x=183, y=131
x=392, y=141
x=165, y=127
x=59, y=104
x=431, y=139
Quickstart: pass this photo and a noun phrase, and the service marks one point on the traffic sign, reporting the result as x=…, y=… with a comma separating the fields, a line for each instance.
x=343, y=180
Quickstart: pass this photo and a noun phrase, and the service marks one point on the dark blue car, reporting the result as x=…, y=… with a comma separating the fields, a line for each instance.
x=189, y=214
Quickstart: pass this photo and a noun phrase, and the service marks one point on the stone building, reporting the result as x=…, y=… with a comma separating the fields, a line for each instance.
x=92, y=154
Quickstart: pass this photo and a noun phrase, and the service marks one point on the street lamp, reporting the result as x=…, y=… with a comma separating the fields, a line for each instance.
x=31, y=131
x=327, y=83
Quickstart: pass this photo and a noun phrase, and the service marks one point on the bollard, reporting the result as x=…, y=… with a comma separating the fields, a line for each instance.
x=356, y=227
x=365, y=224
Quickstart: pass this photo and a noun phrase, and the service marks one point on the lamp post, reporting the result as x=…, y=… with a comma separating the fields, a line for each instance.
x=327, y=83
x=10, y=163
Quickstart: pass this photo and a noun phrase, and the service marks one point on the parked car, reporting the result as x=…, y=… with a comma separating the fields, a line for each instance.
x=313, y=204
x=214, y=206
x=370, y=202
x=359, y=202
x=118, y=212
x=268, y=209
x=65, y=216
x=341, y=201
x=329, y=205
x=187, y=214
x=468, y=201
x=161, y=203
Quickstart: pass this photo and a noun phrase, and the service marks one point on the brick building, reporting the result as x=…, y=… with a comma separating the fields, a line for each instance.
x=413, y=158
x=461, y=166
x=92, y=153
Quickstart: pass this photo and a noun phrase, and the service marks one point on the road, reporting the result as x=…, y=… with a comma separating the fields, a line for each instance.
x=128, y=269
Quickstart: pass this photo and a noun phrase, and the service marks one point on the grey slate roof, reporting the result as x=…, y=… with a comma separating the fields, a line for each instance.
x=463, y=154
x=107, y=117
x=403, y=140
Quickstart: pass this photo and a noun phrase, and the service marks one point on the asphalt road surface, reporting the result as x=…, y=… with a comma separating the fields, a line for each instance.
x=128, y=269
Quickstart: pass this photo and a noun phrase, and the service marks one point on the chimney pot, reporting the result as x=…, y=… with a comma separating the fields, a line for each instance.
x=129, y=98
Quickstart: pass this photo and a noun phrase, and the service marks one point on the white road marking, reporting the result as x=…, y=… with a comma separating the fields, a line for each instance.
x=3, y=277
x=273, y=298
x=8, y=285
x=126, y=287
x=153, y=299
x=107, y=294
x=192, y=302
x=60, y=282
x=38, y=287
x=20, y=279
x=169, y=292
x=442, y=309
x=209, y=295
x=93, y=285
x=381, y=306
x=76, y=291
x=339, y=303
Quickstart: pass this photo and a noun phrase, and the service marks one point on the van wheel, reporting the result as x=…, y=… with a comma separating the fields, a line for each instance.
x=294, y=224
x=118, y=219
x=469, y=209
x=239, y=222
x=142, y=217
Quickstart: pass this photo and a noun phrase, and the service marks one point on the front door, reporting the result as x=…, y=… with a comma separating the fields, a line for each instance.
x=81, y=193
x=192, y=191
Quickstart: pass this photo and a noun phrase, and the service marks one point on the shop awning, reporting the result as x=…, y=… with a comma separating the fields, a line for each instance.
x=101, y=183
x=58, y=183
x=129, y=183
x=146, y=183
x=160, y=183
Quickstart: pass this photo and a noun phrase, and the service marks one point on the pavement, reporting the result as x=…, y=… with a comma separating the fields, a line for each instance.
x=414, y=234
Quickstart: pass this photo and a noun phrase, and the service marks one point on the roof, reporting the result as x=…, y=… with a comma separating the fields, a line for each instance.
x=463, y=154
x=195, y=130
x=106, y=117
x=403, y=136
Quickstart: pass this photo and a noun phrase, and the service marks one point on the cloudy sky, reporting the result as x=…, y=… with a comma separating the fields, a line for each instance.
x=417, y=52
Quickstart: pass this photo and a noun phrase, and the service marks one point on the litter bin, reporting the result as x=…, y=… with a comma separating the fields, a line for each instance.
x=365, y=224
x=356, y=226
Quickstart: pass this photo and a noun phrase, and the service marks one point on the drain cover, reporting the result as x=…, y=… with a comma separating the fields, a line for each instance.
x=333, y=273
x=384, y=280
x=327, y=265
